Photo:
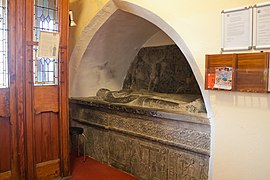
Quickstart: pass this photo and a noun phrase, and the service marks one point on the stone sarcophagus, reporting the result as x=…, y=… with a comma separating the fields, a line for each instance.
x=155, y=127
x=145, y=142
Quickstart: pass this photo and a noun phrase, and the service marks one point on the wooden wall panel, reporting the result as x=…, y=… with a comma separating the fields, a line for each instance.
x=5, y=150
x=252, y=72
x=4, y=102
x=46, y=137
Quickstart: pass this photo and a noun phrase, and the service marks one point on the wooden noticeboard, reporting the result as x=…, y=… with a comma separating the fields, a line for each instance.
x=217, y=61
x=249, y=71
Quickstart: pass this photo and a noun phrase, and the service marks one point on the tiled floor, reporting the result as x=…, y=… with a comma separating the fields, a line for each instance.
x=94, y=170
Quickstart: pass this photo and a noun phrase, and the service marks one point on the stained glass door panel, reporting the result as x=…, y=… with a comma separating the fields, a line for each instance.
x=45, y=98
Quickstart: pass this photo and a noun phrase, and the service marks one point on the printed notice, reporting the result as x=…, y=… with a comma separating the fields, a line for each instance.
x=237, y=29
x=262, y=26
x=48, y=44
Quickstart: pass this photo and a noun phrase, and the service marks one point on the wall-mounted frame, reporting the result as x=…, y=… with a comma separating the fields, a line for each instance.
x=237, y=29
x=262, y=26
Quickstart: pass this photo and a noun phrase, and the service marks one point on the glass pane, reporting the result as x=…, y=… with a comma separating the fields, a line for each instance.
x=45, y=19
x=46, y=70
x=4, y=78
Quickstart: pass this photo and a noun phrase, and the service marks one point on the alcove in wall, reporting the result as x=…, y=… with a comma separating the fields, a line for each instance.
x=111, y=50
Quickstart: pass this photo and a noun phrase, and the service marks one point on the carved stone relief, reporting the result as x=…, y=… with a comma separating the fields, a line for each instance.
x=173, y=132
x=184, y=166
x=161, y=69
x=147, y=147
x=119, y=151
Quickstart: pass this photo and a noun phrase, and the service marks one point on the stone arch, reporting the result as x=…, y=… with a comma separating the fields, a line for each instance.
x=114, y=9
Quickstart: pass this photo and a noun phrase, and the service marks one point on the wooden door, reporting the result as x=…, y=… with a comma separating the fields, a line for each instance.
x=46, y=92
x=5, y=123
x=11, y=109
x=33, y=91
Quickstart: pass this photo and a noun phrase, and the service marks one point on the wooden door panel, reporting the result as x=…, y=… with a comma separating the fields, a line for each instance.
x=46, y=99
x=46, y=136
x=48, y=169
x=4, y=102
x=47, y=145
x=46, y=131
x=45, y=115
x=5, y=135
x=5, y=175
x=5, y=150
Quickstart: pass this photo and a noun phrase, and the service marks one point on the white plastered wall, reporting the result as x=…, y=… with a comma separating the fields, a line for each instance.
x=240, y=122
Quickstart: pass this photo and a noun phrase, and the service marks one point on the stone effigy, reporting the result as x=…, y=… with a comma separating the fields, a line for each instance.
x=166, y=102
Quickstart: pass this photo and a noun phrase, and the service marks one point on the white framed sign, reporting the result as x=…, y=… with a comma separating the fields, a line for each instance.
x=237, y=29
x=48, y=44
x=262, y=26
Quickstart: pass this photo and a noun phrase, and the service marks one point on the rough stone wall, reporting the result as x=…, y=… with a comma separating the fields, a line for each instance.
x=149, y=147
x=162, y=69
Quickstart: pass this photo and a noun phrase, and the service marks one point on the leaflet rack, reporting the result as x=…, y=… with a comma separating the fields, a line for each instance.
x=250, y=71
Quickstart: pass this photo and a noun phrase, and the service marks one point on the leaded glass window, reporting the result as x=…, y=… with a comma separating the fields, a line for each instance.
x=45, y=19
x=46, y=70
x=4, y=78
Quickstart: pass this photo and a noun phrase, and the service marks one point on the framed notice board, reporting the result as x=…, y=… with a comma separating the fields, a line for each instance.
x=246, y=72
x=262, y=26
x=237, y=29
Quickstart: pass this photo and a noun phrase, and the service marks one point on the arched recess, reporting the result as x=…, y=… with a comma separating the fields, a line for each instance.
x=112, y=34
